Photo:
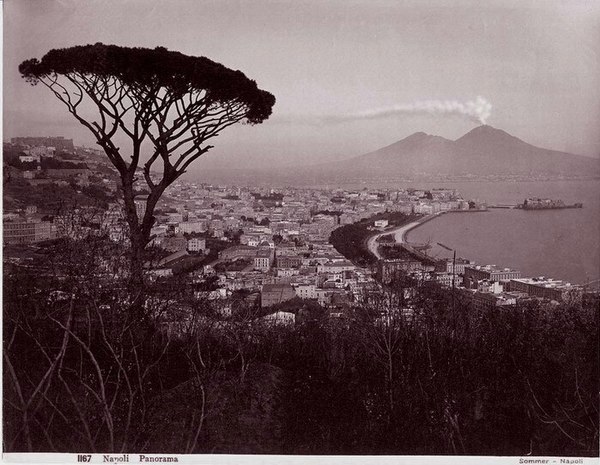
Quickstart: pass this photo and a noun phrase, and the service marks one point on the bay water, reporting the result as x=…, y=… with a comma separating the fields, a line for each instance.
x=561, y=244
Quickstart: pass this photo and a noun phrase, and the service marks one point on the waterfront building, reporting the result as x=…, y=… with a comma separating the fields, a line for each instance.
x=490, y=287
x=546, y=288
x=473, y=274
x=423, y=208
x=445, y=279
x=458, y=265
x=463, y=205
x=541, y=204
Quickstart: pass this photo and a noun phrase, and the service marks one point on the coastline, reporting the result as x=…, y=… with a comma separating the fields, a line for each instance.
x=556, y=243
x=399, y=233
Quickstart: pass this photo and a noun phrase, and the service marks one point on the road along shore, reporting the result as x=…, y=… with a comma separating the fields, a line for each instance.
x=399, y=233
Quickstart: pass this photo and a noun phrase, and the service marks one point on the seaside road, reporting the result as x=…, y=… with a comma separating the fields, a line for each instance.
x=399, y=234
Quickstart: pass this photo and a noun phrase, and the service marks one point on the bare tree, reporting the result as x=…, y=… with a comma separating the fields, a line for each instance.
x=383, y=329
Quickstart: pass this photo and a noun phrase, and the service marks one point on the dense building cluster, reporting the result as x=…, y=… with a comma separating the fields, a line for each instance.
x=272, y=243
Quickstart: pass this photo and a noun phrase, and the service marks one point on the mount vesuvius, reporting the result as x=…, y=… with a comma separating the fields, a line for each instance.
x=483, y=151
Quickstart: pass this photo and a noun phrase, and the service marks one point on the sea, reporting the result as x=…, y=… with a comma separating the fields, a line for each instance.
x=561, y=244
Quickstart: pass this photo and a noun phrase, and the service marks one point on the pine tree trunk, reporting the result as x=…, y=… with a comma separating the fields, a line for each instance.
x=136, y=237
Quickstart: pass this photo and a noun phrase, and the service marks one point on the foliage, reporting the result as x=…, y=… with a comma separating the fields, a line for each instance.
x=350, y=240
x=53, y=163
x=52, y=198
x=329, y=212
x=394, y=251
x=398, y=373
x=513, y=381
x=237, y=265
x=311, y=307
x=140, y=67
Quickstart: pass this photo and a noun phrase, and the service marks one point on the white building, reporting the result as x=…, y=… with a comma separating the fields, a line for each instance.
x=140, y=206
x=279, y=319
x=423, y=208
x=306, y=291
x=41, y=151
x=196, y=244
x=192, y=226
x=287, y=272
x=253, y=241
x=262, y=261
x=28, y=158
x=335, y=267
x=491, y=287
x=161, y=272
x=174, y=217
x=323, y=296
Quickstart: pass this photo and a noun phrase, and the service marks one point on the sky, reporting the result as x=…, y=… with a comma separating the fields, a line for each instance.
x=349, y=76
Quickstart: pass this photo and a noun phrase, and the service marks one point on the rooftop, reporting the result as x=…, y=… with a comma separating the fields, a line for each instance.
x=491, y=268
x=544, y=282
x=276, y=287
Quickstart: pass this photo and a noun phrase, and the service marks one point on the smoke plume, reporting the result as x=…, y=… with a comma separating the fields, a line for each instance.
x=477, y=110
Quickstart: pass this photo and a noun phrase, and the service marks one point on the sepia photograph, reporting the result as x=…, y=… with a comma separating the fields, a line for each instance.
x=316, y=231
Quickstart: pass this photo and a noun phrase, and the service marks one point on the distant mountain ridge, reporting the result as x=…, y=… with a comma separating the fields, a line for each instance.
x=483, y=151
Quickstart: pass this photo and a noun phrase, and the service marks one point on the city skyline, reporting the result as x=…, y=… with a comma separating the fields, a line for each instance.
x=330, y=65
